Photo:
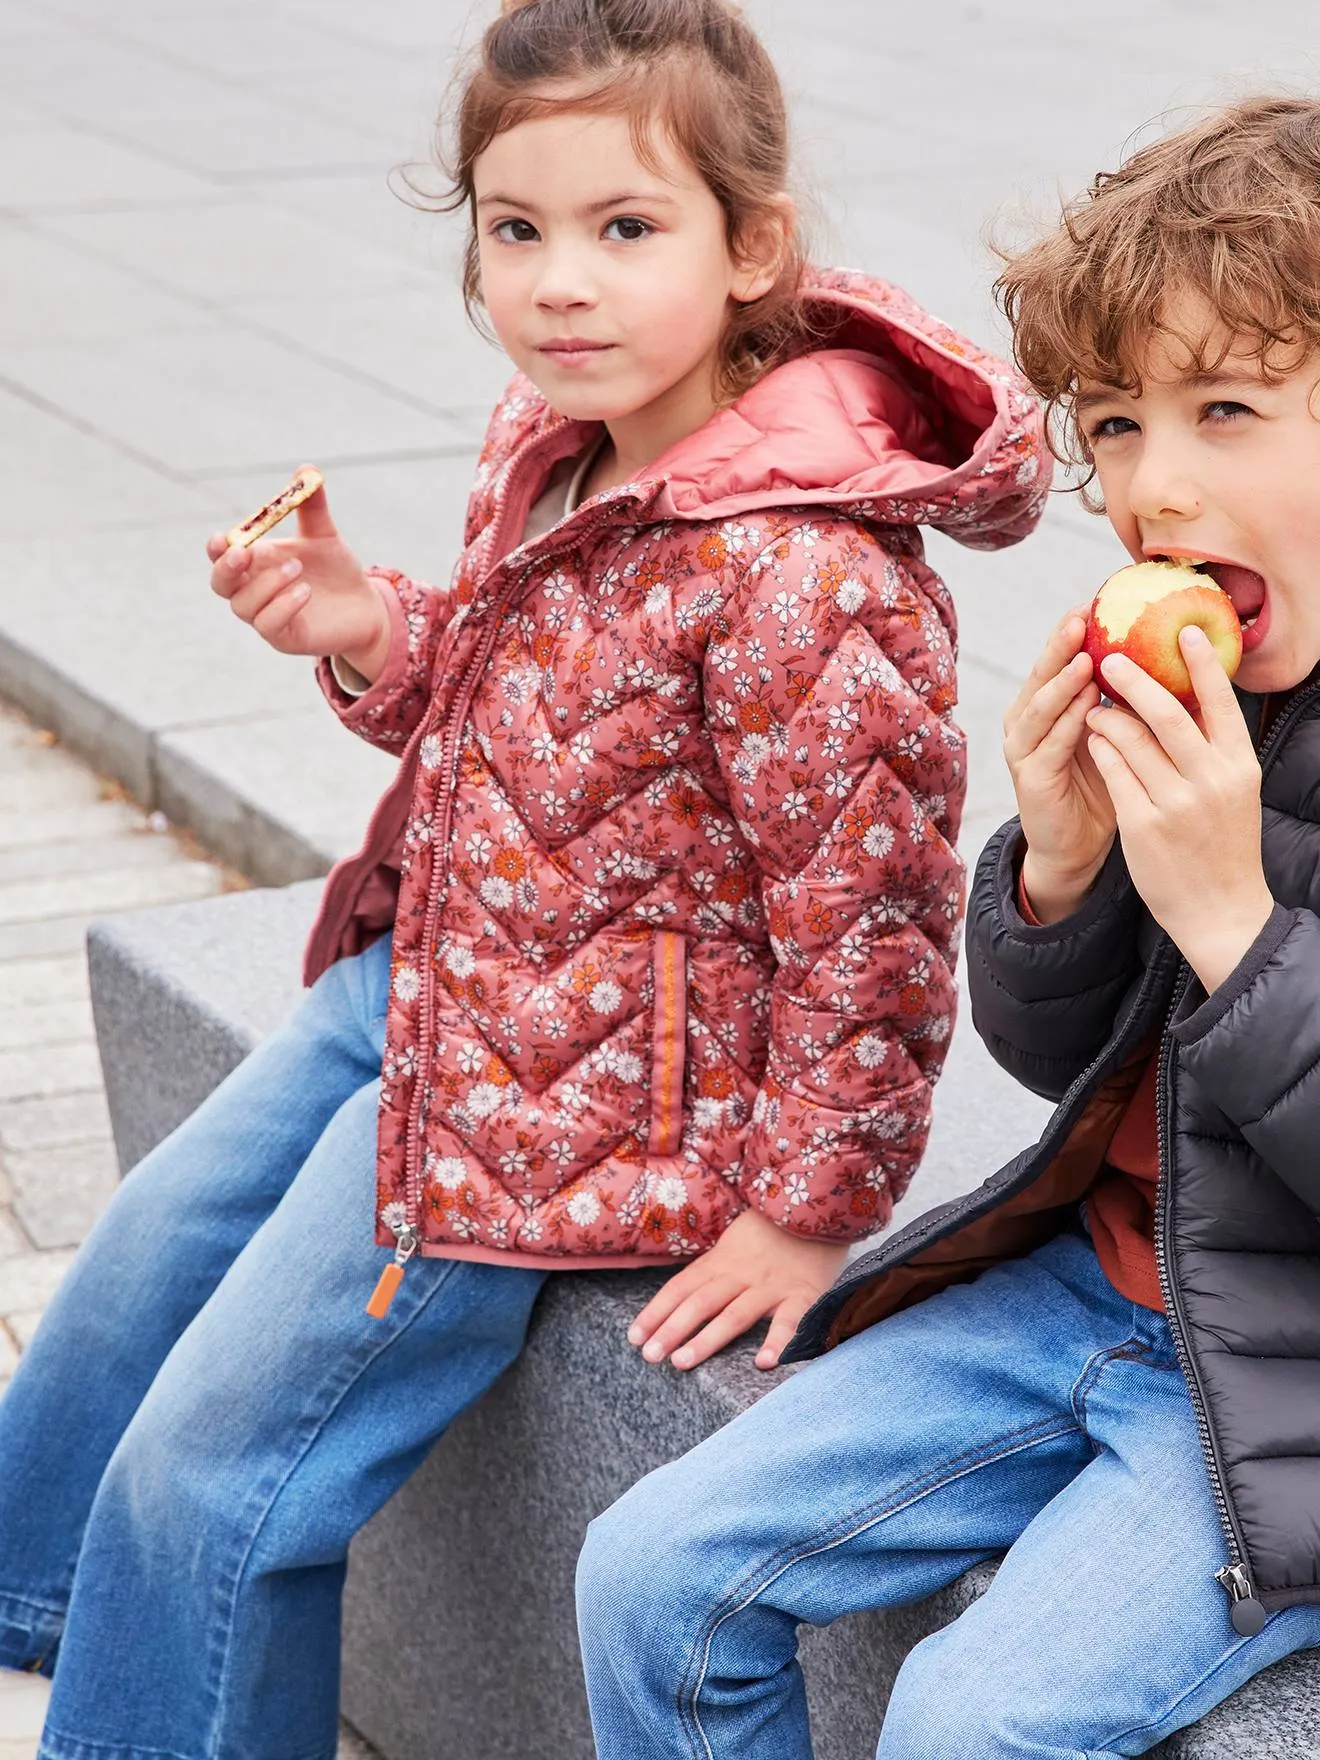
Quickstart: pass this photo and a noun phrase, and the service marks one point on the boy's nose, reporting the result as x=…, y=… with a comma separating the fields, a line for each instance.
x=1160, y=490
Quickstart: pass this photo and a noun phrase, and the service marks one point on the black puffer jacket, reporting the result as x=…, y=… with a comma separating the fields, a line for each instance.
x=1072, y=1010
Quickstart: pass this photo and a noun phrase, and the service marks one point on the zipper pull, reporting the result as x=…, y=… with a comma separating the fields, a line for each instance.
x=387, y=1286
x=1246, y=1613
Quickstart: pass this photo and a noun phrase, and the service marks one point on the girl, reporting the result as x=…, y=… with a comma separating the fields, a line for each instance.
x=647, y=956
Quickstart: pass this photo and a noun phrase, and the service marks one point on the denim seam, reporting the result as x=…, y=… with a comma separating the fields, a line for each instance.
x=857, y=1522
x=1130, y=1351
x=229, y=1590
x=1169, y=1710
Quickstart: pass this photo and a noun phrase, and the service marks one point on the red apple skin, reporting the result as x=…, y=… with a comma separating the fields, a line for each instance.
x=1151, y=640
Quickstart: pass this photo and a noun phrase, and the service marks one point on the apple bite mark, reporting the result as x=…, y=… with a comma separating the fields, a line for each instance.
x=1140, y=612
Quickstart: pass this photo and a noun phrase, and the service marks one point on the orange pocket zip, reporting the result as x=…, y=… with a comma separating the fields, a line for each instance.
x=669, y=1042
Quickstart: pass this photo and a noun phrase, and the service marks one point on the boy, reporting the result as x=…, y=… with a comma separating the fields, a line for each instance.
x=1106, y=1360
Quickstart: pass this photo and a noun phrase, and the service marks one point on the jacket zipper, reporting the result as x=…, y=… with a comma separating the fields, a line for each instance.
x=1246, y=1611
x=408, y=1234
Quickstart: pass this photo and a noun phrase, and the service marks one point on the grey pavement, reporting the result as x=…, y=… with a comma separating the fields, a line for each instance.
x=71, y=847
x=207, y=280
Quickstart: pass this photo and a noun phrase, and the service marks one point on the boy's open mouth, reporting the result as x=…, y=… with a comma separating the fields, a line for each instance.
x=1244, y=587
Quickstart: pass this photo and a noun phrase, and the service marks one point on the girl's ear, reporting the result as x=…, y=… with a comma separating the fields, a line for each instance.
x=761, y=250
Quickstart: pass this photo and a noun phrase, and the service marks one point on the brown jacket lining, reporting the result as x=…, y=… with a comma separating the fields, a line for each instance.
x=1013, y=1228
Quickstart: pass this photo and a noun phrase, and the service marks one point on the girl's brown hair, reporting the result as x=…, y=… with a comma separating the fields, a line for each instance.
x=696, y=69
x=1226, y=210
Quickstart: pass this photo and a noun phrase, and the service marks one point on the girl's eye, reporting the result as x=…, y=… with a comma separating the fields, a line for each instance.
x=515, y=231
x=628, y=229
x=1225, y=411
x=1111, y=428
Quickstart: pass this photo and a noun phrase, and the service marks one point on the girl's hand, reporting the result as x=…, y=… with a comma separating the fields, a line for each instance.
x=305, y=595
x=1187, y=793
x=754, y=1269
x=1067, y=817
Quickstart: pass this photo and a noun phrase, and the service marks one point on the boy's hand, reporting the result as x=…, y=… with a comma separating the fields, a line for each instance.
x=1067, y=816
x=1187, y=793
x=754, y=1269
x=305, y=595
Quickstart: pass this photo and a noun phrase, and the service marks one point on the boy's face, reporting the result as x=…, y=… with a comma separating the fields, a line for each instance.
x=1223, y=468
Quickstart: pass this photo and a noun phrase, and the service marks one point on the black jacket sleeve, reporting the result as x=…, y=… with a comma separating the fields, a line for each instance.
x=1045, y=999
x=1255, y=1045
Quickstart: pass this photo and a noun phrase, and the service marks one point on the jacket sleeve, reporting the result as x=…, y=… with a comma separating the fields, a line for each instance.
x=1255, y=1045
x=1045, y=997
x=828, y=695
x=388, y=714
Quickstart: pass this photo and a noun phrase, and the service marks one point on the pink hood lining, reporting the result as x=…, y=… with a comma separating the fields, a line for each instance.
x=881, y=411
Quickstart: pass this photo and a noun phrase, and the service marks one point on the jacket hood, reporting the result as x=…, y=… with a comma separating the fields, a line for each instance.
x=891, y=416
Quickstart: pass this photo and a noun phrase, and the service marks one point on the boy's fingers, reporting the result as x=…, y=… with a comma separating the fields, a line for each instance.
x=1125, y=791
x=1221, y=712
x=1025, y=730
x=730, y=1323
x=1064, y=643
x=1169, y=724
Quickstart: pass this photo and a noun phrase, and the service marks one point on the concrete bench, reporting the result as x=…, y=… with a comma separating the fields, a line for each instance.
x=459, y=1633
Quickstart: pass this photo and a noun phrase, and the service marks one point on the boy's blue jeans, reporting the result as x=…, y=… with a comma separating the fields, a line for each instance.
x=206, y=1415
x=1034, y=1409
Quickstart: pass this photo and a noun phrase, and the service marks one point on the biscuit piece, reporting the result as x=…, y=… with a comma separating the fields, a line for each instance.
x=305, y=484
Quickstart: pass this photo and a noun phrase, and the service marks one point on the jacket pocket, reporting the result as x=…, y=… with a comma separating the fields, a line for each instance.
x=668, y=1041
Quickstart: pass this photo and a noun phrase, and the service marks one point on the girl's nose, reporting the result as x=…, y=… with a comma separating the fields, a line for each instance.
x=564, y=283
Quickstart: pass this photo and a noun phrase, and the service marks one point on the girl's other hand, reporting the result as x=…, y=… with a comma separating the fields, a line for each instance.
x=1067, y=816
x=755, y=1269
x=305, y=595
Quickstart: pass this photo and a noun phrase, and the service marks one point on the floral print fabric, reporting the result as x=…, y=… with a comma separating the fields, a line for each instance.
x=709, y=715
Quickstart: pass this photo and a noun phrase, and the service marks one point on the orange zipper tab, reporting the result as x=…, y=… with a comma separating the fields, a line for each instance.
x=385, y=1291
x=387, y=1285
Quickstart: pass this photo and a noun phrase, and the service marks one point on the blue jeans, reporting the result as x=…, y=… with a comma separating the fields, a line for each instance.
x=206, y=1416
x=1034, y=1411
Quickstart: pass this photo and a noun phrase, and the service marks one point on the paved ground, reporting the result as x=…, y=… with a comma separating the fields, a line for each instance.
x=71, y=848
x=207, y=280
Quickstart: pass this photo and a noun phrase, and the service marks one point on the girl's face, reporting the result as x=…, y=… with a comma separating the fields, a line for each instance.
x=608, y=283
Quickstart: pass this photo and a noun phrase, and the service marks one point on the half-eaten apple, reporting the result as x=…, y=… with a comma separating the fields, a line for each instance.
x=1140, y=612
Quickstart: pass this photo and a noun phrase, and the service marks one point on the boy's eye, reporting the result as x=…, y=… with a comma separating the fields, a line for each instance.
x=628, y=229
x=1110, y=428
x=515, y=231
x=1225, y=410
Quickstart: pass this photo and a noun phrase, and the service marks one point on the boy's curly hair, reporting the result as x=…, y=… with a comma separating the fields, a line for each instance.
x=1227, y=211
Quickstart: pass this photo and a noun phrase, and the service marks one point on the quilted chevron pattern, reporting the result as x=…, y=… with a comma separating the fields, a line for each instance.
x=710, y=712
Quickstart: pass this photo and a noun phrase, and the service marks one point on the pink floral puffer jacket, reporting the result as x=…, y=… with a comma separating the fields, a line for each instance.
x=670, y=856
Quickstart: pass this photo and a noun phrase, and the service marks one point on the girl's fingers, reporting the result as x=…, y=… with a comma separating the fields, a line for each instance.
x=281, y=611
x=313, y=516
x=252, y=598
x=216, y=545
x=231, y=570
x=692, y=1313
x=787, y=1318
x=735, y=1318
x=669, y=1296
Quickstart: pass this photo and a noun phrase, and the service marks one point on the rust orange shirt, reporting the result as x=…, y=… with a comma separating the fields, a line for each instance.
x=1121, y=1205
